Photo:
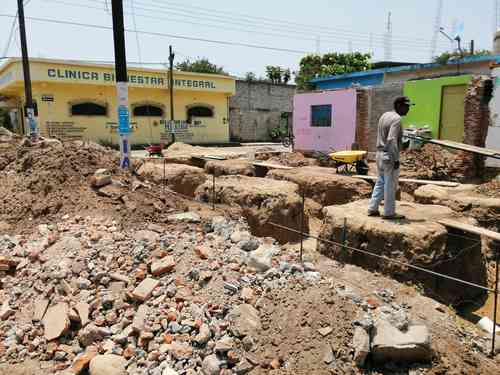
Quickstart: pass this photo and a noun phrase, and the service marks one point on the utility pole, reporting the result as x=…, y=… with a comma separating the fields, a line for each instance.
x=121, y=82
x=29, y=107
x=171, y=57
x=472, y=47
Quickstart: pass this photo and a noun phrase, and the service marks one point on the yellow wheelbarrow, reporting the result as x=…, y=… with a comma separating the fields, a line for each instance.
x=348, y=162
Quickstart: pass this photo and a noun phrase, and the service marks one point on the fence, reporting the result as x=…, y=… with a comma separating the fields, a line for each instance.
x=343, y=244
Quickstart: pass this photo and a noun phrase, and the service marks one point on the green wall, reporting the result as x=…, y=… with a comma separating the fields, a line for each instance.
x=426, y=94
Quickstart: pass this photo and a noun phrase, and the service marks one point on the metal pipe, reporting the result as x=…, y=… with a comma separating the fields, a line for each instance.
x=495, y=299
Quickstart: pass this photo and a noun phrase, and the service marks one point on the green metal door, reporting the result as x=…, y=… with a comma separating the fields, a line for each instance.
x=452, y=113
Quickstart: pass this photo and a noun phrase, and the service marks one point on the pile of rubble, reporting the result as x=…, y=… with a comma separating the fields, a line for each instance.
x=433, y=162
x=152, y=299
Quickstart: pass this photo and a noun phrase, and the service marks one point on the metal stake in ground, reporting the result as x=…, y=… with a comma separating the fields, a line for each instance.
x=213, y=191
x=344, y=235
x=121, y=82
x=164, y=174
x=302, y=213
x=29, y=109
x=496, y=247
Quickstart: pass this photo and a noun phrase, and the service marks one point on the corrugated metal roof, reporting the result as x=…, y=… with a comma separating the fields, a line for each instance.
x=465, y=60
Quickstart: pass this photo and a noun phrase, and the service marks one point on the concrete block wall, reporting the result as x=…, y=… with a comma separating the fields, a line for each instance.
x=256, y=108
x=381, y=100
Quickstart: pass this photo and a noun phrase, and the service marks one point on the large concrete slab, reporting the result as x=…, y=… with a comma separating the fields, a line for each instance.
x=418, y=240
x=324, y=185
x=263, y=201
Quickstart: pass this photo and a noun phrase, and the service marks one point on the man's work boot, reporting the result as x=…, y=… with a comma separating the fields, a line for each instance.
x=394, y=217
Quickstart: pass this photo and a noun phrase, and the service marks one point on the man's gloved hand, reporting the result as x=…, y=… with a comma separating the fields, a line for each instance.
x=396, y=165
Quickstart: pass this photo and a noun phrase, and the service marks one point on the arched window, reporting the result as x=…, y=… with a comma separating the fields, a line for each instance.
x=88, y=109
x=199, y=111
x=148, y=110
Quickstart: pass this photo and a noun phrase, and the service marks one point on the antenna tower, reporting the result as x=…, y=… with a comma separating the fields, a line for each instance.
x=388, y=40
x=437, y=26
x=496, y=15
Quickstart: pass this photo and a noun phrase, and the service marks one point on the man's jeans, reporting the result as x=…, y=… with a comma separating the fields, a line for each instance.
x=385, y=188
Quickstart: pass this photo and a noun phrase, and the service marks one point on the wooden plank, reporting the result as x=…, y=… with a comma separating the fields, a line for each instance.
x=470, y=228
x=415, y=181
x=271, y=166
x=207, y=158
x=464, y=147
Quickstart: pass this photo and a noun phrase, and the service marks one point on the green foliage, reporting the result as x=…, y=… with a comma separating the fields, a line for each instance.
x=330, y=64
x=250, y=77
x=277, y=74
x=201, y=65
x=278, y=132
x=450, y=56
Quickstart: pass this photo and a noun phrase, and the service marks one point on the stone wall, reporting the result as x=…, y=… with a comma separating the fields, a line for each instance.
x=256, y=108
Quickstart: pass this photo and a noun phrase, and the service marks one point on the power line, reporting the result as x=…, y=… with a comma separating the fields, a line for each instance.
x=348, y=35
x=139, y=54
x=222, y=25
x=275, y=22
x=12, y=30
x=175, y=36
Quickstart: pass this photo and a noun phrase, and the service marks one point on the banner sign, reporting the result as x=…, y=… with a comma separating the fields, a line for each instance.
x=123, y=120
x=173, y=126
x=154, y=80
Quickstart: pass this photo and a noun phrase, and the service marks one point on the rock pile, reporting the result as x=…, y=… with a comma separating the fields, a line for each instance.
x=84, y=293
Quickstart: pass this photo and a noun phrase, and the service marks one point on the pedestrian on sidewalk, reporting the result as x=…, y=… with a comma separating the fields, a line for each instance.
x=389, y=143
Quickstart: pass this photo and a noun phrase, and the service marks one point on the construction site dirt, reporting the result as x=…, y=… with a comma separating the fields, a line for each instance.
x=104, y=271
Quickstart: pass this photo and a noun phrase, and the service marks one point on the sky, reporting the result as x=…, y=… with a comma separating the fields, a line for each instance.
x=292, y=28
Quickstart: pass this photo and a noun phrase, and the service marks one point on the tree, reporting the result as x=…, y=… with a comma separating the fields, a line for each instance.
x=250, y=77
x=449, y=56
x=201, y=65
x=277, y=74
x=330, y=64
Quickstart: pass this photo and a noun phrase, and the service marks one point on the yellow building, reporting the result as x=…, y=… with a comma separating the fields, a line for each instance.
x=78, y=100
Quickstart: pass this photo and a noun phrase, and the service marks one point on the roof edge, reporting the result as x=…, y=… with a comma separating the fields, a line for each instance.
x=465, y=60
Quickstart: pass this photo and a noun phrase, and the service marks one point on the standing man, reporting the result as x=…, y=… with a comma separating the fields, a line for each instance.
x=389, y=142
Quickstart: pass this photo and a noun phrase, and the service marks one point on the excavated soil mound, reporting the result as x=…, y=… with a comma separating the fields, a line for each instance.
x=181, y=178
x=293, y=159
x=263, y=201
x=486, y=210
x=49, y=178
x=323, y=185
x=432, y=162
x=230, y=167
x=418, y=240
x=181, y=153
x=40, y=180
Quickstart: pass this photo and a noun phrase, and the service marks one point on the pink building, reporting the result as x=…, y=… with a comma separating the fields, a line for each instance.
x=324, y=120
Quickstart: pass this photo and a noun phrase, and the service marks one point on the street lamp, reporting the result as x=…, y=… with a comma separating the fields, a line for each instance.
x=456, y=39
